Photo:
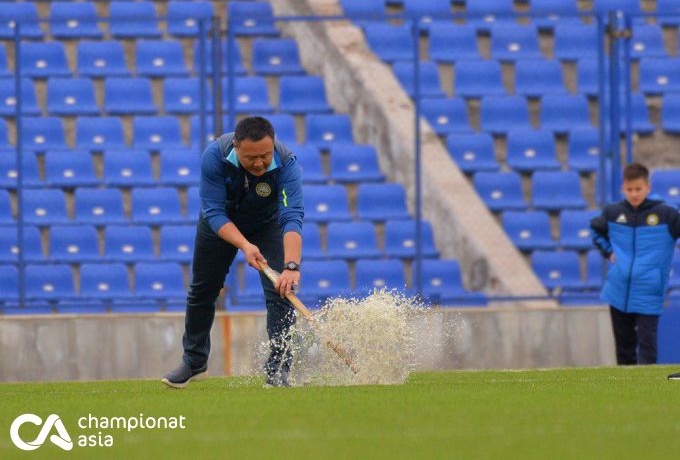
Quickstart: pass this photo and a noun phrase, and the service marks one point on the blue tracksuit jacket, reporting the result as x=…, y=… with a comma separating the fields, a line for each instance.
x=643, y=242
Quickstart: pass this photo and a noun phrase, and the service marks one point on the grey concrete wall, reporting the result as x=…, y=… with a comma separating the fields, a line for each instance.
x=68, y=347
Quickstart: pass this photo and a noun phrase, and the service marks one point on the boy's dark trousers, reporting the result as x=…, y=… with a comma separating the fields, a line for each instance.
x=212, y=259
x=635, y=336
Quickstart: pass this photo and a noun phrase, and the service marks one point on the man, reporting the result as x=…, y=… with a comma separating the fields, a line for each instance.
x=637, y=235
x=251, y=199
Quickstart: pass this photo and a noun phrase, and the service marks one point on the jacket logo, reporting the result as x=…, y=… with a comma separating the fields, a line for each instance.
x=652, y=219
x=621, y=219
x=263, y=189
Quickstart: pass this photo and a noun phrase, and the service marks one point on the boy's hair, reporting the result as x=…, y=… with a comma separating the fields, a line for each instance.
x=254, y=129
x=636, y=171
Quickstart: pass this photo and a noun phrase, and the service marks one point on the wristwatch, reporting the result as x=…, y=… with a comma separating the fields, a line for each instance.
x=292, y=266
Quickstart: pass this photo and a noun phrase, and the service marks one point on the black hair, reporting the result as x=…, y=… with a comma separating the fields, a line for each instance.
x=636, y=171
x=254, y=129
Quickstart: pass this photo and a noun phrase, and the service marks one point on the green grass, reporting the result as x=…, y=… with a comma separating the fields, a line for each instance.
x=605, y=413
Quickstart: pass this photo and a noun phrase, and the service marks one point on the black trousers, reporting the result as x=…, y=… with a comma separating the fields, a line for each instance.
x=635, y=336
x=212, y=260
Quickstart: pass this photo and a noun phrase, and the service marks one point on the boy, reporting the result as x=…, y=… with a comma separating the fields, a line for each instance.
x=637, y=235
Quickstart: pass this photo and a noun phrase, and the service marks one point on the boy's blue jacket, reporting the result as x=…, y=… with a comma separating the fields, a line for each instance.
x=230, y=194
x=643, y=242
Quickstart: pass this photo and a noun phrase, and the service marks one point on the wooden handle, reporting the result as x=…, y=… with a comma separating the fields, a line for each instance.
x=273, y=276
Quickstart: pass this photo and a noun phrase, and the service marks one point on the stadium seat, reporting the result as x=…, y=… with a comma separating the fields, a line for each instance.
x=236, y=57
x=6, y=217
x=325, y=131
x=195, y=123
x=49, y=282
x=674, y=280
x=639, y=114
x=669, y=12
x=157, y=132
x=575, y=41
x=364, y=12
x=74, y=20
x=647, y=42
x=155, y=206
x=193, y=205
x=24, y=13
x=177, y=243
x=324, y=203
x=31, y=247
x=4, y=71
x=666, y=184
x=450, y=43
x=562, y=114
x=484, y=13
x=128, y=96
x=71, y=96
x=8, y=99
x=603, y=7
x=380, y=202
x=309, y=159
x=532, y=150
x=284, y=126
x=502, y=114
x=161, y=280
x=9, y=282
x=670, y=113
x=587, y=74
x=181, y=96
x=251, y=18
x=302, y=95
x=380, y=274
x=475, y=79
x=74, y=244
x=428, y=78
x=575, y=229
x=99, y=206
x=584, y=150
x=276, y=56
x=160, y=58
x=311, y=242
x=355, y=163
x=70, y=169
x=427, y=11
x=389, y=42
x=247, y=295
x=42, y=134
x=472, y=152
x=555, y=191
x=659, y=76
x=128, y=168
x=101, y=59
x=546, y=14
x=104, y=281
x=124, y=243
x=250, y=94
x=528, y=230
x=446, y=115
x=133, y=19
x=324, y=279
x=501, y=191
x=595, y=264
x=351, y=240
x=99, y=133
x=539, y=77
x=5, y=146
x=557, y=269
x=185, y=17
x=43, y=60
x=180, y=168
x=44, y=207
x=400, y=239
x=510, y=42
x=9, y=173
x=442, y=283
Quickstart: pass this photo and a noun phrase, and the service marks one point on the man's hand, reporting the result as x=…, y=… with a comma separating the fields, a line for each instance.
x=287, y=280
x=253, y=255
x=612, y=258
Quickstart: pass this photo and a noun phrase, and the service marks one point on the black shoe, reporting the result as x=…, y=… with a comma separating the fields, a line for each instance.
x=277, y=381
x=179, y=377
x=674, y=376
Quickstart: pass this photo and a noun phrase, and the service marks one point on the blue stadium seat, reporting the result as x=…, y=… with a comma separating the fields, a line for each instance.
x=251, y=18
x=128, y=168
x=195, y=122
x=427, y=11
x=104, y=281
x=4, y=71
x=473, y=152
x=156, y=206
x=670, y=113
x=510, y=42
x=74, y=20
x=324, y=279
x=133, y=20
x=557, y=190
x=276, y=56
x=562, y=114
x=8, y=99
x=24, y=13
x=32, y=246
x=501, y=191
x=43, y=59
x=9, y=173
x=557, y=269
x=180, y=168
x=246, y=295
x=181, y=96
x=157, y=132
x=99, y=133
x=659, y=76
x=42, y=134
x=528, y=230
x=49, y=282
x=70, y=169
x=302, y=95
x=74, y=243
x=442, y=283
x=193, y=205
x=6, y=217
x=575, y=229
x=9, y=282
x=575, y=41
x=390, y=43
x=355, y=163
x=587, y=75
x=324, y=203
x=450, y=43
x=603, y=7
x=669, y=12
x=99, y=206
x=128, y=96
x=532, y=150
x=284, y=126
x=674, y=281
x=639, y=114
x=309, y=159
x=584, y=150
x=446, y=115
x=428, y=78
x=236, y=57
x=400, y=239
x=177, y=243
x=311, y=242
x=185, y=17
x=161, y=280
x=478, y=79
x=538, y=77
x=502, y=114
x=250, y=93
x=595, y=264
x=364, y=12
x=380, y=274
x=647, y=42
x=44, y=206
x=666, y=183
x=124, y=243
x=485, y=13
x=101, y=59
x=380, y=202
x=546, y=14
x=325, y=131
x=71, y=96
x=352, y=240
x=160, y=58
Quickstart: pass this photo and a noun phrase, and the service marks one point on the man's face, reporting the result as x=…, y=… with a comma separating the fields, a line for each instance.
x=255, y=156
x=635, y=191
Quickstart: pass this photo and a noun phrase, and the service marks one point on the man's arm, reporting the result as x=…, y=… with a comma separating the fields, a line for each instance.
x=600, y=228
x=232, y=235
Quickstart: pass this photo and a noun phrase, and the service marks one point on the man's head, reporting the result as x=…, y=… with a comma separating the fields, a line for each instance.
x=254, y=144
x=635, y=185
